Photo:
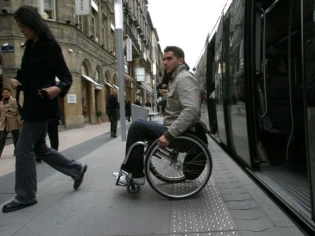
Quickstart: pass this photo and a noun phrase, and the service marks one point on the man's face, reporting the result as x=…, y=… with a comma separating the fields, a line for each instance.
x=283, y=68
x=6, y=94
x=170, y=61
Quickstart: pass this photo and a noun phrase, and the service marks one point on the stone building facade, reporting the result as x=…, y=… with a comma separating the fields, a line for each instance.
x=89, y=45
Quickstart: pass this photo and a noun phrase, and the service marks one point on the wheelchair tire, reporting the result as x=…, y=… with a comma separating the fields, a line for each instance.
x=181, y=170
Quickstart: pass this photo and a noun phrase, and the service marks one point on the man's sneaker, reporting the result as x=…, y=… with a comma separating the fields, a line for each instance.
x=123, y=181
x=115, y=174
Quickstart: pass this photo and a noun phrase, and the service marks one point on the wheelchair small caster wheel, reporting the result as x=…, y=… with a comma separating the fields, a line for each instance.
x=133, y=188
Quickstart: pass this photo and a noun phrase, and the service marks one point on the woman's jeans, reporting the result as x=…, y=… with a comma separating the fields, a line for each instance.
x=140, y=130
x=31, y=143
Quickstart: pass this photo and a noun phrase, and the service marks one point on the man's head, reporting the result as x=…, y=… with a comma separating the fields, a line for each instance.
x=277, y=64
x=173, y=56
x=6, y=92
x=115, y=92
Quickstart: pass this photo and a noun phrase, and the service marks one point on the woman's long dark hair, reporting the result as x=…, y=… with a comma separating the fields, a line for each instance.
x=29, y=16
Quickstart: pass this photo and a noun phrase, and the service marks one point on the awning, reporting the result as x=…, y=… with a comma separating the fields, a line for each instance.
x=147, y=87
x=97, y=85
x=128, y=78
x=109, y=84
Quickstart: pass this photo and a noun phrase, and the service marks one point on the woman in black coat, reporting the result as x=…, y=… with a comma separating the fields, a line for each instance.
x=41, y=63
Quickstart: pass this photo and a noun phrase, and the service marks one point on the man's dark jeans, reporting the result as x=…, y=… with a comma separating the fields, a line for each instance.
x=140, y=130
x=113, y=117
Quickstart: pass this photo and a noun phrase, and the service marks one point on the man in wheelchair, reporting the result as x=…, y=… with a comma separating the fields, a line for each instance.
x=182, y=113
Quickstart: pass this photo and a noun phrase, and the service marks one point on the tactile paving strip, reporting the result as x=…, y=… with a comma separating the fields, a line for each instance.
x=231, y=233
x=203, y=214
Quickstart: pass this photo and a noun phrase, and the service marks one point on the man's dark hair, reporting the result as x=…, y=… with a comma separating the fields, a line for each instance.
x=178, y=52
x=29, y=16
x=6, y=89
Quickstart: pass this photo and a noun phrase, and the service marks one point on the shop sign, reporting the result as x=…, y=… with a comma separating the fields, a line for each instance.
x=72, y=98
x=82, y=7
x=140, y=74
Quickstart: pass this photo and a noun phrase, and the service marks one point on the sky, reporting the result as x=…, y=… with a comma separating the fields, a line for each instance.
x=185, y=23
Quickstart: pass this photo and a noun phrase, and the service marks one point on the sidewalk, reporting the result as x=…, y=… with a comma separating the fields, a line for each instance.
x=67, y=139
x=230, y=204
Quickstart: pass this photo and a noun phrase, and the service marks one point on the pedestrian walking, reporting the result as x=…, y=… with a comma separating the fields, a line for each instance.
x=112, y=110
x=128, y=110
x=41, y=63
x=9, y=118
x=137, y=102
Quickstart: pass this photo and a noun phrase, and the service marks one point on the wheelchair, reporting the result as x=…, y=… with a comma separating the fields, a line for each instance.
x=178, y=171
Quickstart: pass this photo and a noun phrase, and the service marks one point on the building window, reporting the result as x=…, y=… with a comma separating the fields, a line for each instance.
x=97, y=77
x=46, y=8
x=49, y=9
x=126, y=66
x=104, y=31
x=93, y=27
x=80, y=22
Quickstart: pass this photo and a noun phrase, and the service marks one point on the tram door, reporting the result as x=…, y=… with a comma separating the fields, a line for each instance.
x=280, y=88
x=236, y=87
x=308, y=49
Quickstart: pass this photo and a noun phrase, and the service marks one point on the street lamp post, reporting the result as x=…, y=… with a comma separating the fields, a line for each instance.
x=120, y=64
x=154, y=88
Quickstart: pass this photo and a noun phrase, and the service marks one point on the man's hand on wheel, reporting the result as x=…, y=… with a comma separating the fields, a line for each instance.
x=163, y=142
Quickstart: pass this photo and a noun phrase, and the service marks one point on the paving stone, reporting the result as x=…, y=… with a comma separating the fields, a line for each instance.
x=242, y=205
x=222, y=176
x=272, y=232
x=291, y=231
x=228, y=180
x=259, y=224
x=248, y=214
x=236, y=197
x=229, y=185
x=233, y=191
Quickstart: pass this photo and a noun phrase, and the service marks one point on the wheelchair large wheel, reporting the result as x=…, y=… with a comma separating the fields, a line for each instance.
x=181, y=170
